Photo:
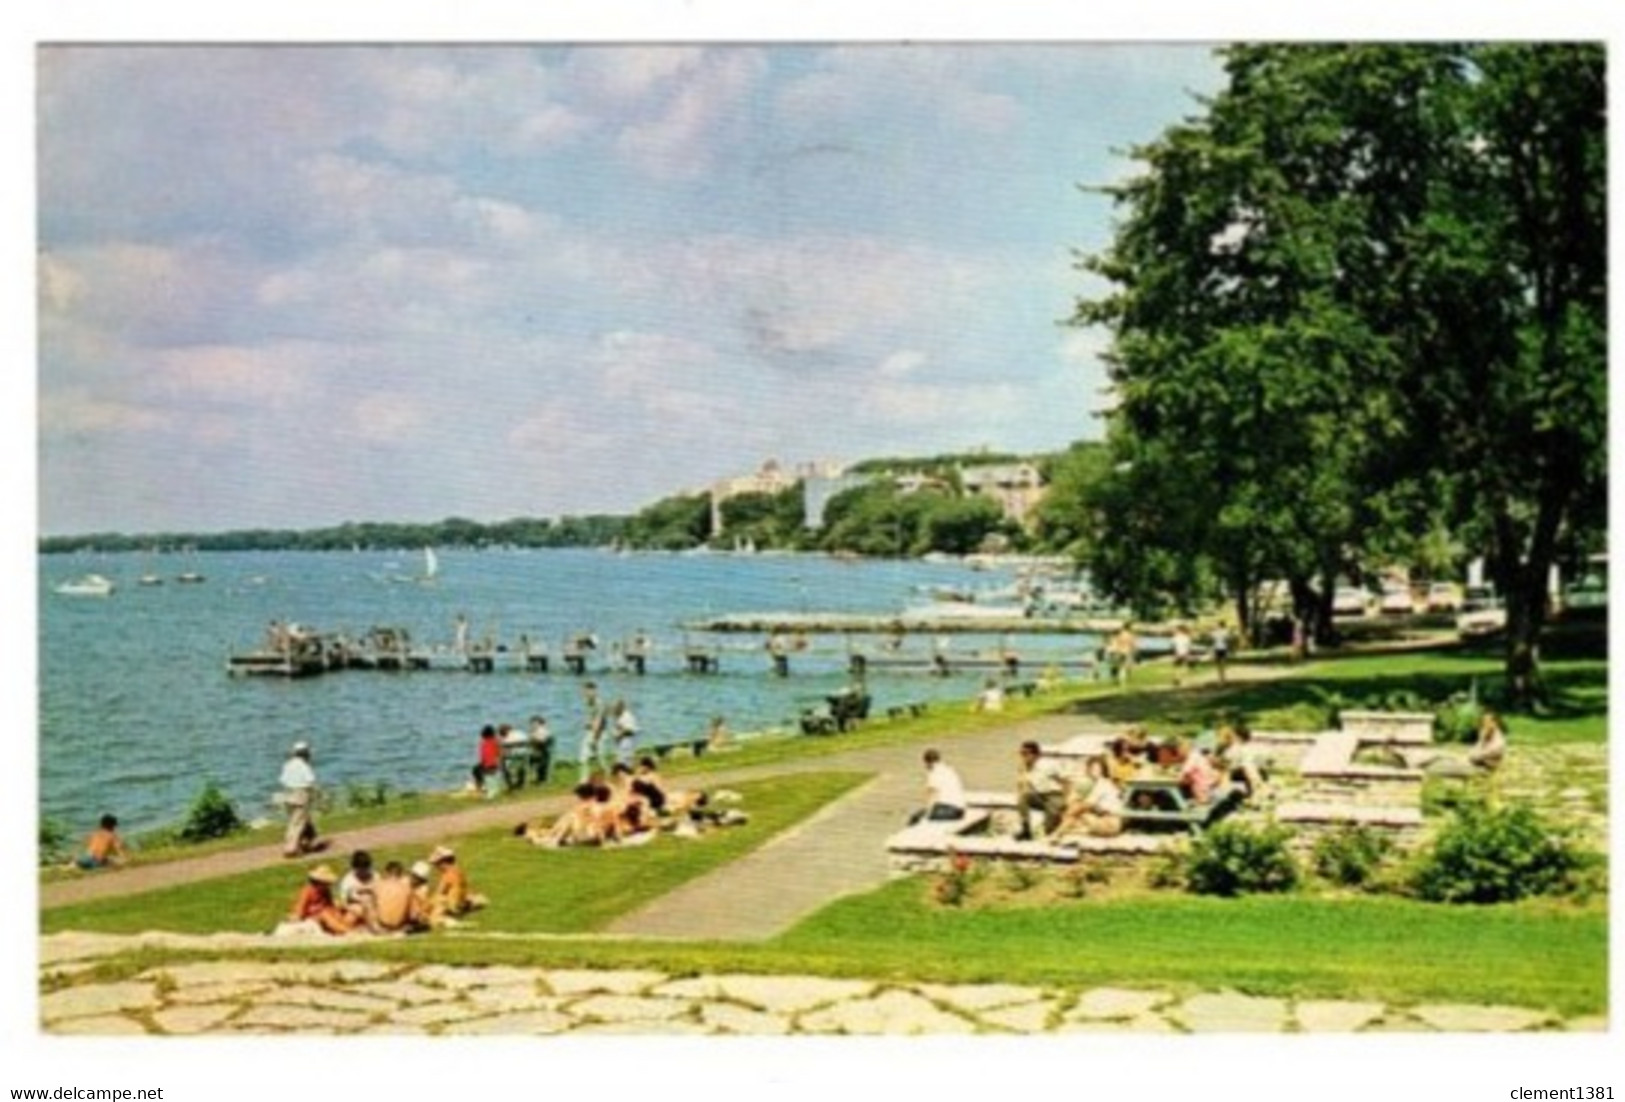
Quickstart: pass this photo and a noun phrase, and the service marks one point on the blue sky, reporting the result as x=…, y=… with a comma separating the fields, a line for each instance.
x=291, y=286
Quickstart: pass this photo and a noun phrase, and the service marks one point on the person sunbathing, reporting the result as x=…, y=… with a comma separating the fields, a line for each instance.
x=580, y=826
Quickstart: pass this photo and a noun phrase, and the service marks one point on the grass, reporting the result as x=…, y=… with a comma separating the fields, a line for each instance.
x=1351, y=948
x=1577, y=710
x=1538, y=954
x=531, y=890
x=1389, y=950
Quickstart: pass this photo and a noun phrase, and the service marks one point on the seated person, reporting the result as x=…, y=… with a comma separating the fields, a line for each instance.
x=399, y=909
x=315, y=903
x=356, y=891
x=1095, y=808
x=649, y=786
x=580, y=826
x=1198, y=776
x=1242, y=762
x=1491, y=746
x=633, y=814
x=103, y=847
x=450, y=897
x=1041, y=789
x=1120, y=761
x=990, y=699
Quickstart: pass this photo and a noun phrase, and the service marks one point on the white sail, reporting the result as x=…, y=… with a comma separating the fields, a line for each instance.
x=431, y=565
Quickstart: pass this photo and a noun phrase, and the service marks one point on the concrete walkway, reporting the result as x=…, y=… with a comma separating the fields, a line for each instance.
x=220, y=996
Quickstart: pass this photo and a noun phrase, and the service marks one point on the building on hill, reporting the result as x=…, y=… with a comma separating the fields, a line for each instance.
x=1017, y=487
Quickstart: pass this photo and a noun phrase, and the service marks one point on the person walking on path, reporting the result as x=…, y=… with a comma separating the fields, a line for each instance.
x=298, y=782
x=1221, y=648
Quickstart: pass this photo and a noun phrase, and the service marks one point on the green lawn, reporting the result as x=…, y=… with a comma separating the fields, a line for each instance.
x=1303, y=700
x=531, y=890
x=1537, y=954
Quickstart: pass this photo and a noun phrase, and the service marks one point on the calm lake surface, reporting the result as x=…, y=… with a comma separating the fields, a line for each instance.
x=137, y=710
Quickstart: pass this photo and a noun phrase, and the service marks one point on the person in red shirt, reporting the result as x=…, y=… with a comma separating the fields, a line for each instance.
x=315, y=901
x=490, y=759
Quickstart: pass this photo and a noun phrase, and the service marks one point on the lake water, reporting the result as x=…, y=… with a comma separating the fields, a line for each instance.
x=137, y=710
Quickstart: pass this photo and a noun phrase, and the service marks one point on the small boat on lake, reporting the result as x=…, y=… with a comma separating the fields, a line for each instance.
x=91, y=585
x=189, y=578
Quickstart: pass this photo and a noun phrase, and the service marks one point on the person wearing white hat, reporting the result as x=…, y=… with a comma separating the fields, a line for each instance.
x=298, y=794
x=315, y=903
x=451, y=898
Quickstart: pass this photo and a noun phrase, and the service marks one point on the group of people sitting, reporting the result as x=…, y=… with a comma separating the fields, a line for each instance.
x=1207, y=768
x=428, y=895
x=512, y=754
x=627, y=807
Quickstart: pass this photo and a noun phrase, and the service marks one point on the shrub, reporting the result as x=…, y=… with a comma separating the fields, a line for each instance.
x=1349, y=856
x=954, y=885
x=211, y=816
x=1496, y=855
x=367, y=795
x=1456, y=720
x=1232, y=859
x=54, y=841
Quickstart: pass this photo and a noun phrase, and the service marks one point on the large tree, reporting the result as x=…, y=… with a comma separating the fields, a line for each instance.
x=1360, y=297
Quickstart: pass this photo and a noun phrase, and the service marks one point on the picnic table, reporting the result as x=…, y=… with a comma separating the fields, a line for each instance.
x=1162, y=802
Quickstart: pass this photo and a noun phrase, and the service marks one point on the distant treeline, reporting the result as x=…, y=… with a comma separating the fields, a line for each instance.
x=589, y=531
x=878, y=518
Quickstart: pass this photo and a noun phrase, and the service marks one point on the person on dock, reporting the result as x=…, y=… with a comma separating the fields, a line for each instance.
x=540, y=741
x=490, y=760
x=103, y=848
x=944, y=791
x=1041, y=789
x=460, y=635
x=298, y=798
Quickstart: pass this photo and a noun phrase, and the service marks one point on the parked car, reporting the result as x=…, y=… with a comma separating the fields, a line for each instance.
x=1396, y=600
x=1444, y=597
x=1482, y=613
x=1350, y=600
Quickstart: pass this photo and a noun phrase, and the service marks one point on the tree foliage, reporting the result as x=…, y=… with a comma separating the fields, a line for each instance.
x=1356, y=303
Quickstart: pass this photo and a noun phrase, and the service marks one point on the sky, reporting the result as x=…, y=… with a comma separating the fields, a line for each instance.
x=291, y=286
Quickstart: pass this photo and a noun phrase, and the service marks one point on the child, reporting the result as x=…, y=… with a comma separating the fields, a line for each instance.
x=104, y=847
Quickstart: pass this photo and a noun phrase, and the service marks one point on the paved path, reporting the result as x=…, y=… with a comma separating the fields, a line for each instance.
x=326, y=998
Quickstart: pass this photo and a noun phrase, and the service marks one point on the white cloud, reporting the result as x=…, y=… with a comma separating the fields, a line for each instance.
x=683, y=134
x=900, y=364
x=388, y=418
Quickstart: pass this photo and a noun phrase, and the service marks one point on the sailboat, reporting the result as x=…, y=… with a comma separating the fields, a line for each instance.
x=431, y=567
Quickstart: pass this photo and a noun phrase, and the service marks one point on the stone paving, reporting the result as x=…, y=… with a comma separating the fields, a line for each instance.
x=352, y=997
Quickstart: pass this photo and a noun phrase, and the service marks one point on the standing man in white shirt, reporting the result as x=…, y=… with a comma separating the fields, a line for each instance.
x=298, y=782
x=945, y=793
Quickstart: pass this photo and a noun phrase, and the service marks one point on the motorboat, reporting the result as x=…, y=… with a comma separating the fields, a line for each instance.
x=91, y=585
